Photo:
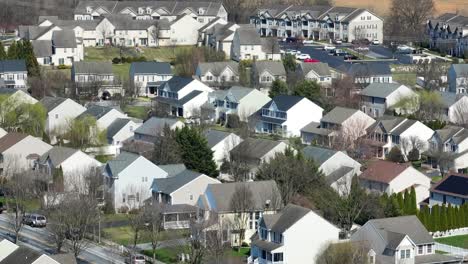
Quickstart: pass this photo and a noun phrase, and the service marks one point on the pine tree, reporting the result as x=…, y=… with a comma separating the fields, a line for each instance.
x=278, y=87
x=413, y=207
x=196, y=154
x=12, y=51
x=401, y=202
x=443, y=218
x=407, y=201
x=58, y=179
x=20, y=50
x=3, y=54
x=30, y=58
x=435, y=216
x=395, y=155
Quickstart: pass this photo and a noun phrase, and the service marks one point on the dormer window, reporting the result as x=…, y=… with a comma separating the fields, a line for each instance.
x=89, y=9
x=148, y=10
x=141, y=10
x=201, y=11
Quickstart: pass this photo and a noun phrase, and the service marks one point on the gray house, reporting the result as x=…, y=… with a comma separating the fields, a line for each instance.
x=377, y=98
x=13, y=73
x=265, y=72
x=458, y=78
x=153, y=127
x=367, y=73
x=451, y=190
x=218, y=74
x=147, y=76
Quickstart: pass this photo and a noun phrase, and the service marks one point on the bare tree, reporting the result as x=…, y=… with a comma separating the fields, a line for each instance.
x=459, y=114
x=196, y=250
x=241, y=205
x=153, y=217
x=154, y=33
x=215, y=241
x=344, y=252
x=349, y=137
x=412, y=143
x=432, y=73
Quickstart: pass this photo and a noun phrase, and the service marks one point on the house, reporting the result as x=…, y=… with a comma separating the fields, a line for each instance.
x=281, y=236
x=448, y=33
x=95, y=77
x=377, y=98
x=19, y=151
x=340, y=124
x=60, y=112
x=206, y=31
x=402, y=239
x=147, y=76
x=65, y=48
x=215, y=203
x=128, y=180
x=85, y=30
x=254, y=151
x=389, y=131
x=247, y=45
x=182, y=96
x=338, y=168
x=120, y=130
x=452, y=142
x=17, y=97
x=237, y=100
x=318, y=22
x=203, y=12
x=218, y=74
x=318, y=71
x=458, y=78
x=218, y=34
x=181, y=31
x=14, y=73
x=388, y=177
x=184, y=187
x=265, y=72
x=221, y=143
x=451, y=190
x=104, y=115
x=124, y=31
x=74, y=165
x=153, y=128
x=455, y=107
x=12, y=253
x=287, y=115
x=367, y=73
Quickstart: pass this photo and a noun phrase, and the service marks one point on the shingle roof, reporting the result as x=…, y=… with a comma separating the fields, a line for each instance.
x=216, y=68
x=51, y=102
x=173, y=169
x=10, y=140
x=284, y=102
x=254, y=148
x=319, y=155
x=383, y=171
x=122, y=161
x=176, y=83
x=116, y=126
x=94, y=67
x=276, y=68
x=454, y=184
x=163, y=68
x=338, y=115
x=408, y=225
x=42, y=48
x=170, y=184
x=121, y=22
x=248, y=35
x=64, y=38
x=189, y=97
x=7, y=91
x=22, y=255
x=96, y=111
x=380, y=90
x=369, y=69
x=215, y=136
x=449, y=98
x=388, y=123
x=403, y=127
x=235, y=93
x=12, y=66
x=283, y=220
x=154, y=126
x=57, y=155
x=320, y=68
x=448, y=132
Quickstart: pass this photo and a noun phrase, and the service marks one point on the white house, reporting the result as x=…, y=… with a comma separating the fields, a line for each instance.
x=338, y=168
x=66, y=49
x=287, y=115
x=60, y=112
x=317, y=71
x=455, y=107
x=14, y=73
x=181, y=31
x=453, y=141
x=19, y=152
x=377, y=98
x=388, y=177
x=218, y=74
x=96, y=78
x=367, y=73
x=73, y=163
x=247, y=45
x=147, y=76
x=104, y=115
x=153, y=128
x=458, y=78
x=12, y=253
x=129, y=178
x=120, y=130
x=293, y=235
x=221, y=143
x=182, y=96
x=265, y=72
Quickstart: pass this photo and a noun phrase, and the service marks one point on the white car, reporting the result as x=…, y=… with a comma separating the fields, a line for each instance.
x=308, y=41
x=292, y=52
x=328, y=48
x=338, y=41
x=362, y=48
x=375, y=42
x=302, y=56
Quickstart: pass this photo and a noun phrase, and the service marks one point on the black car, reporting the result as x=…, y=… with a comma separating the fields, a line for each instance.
x=350, y=57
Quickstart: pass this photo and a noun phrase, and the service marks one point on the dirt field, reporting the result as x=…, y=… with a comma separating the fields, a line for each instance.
x=382, y=6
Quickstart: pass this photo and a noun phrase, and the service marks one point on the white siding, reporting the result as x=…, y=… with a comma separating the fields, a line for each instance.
x=301, y=114
x=189, y=193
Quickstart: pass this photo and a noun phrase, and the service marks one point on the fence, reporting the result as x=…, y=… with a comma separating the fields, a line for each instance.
x=452, y=250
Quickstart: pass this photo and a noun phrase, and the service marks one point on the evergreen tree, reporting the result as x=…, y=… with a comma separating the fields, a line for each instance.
x=443, y=218
x=289, y=63
x=401, y=203
x=395, y=155
x=435, y=216
x=461, y=217
x=450, y=219
x=30, y=59
x=310, y=90
x=413, y=208
x=407, y=205
x=195, y=152
x=20, y=50
x=12, y=51
x=278, y=87
x=166, y=149
x=3, y=54
x=58, y=179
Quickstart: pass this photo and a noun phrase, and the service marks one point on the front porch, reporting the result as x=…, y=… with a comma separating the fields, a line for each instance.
x=178, y=216
x=267, y=127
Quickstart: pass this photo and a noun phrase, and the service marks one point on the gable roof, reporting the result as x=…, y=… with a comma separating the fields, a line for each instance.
x=8, y=91
x=176, y=83
x=455, y=184
x=338, y=115
x=57, y=155
x=22, y=255
x=274, y=67
x=214, y=136
x=383, y=171
x=369, y=69
x=216, y=68
x=284, y=102
x=64, y=38
x=121, y=162
x=449, y=98
x=155, y=125
x=248, y=35
x=10, y=140
x=254, y=148
x=170, y=184
x=388, y=123
x=155, y=67
x=460, y=69
x=96, y=111
x=122, y=22
x=116, y=126
x=406, y=225
x=317, y=154
x=322, y=69
x=42, y=48
x=12, y=66
x=52, y=102
x=380, y=90
x=173, y=169
x=404, y=126
x=283, y=220
x=235, y=92
x=446, y=133
x=93, y=67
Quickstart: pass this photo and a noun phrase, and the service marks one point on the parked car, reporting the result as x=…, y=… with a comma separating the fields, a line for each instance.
x=35, y=220
x=292, y=52
x=339, y=52
x=404, y=49
x=311, y=60
x=350, y=57
x=308, y=41
x=375, y=42
x=361, y=41
x=329, y=48
x=135, y=259
x=362, y=48
x=337, y=41
x=302, y=56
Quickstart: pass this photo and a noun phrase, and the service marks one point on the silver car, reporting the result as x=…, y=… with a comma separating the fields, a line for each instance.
x=35, y=220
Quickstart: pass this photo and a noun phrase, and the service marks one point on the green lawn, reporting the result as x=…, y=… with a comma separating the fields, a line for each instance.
x=456, y=241
x=103, y=158
x=32, y=205
x=407, y=78
x=108, y=53
x=244, y=251
x=124, y=235
x=140, y=112
x=436, y=179
x=166, y=255
x=441, y=252
x=121, y=70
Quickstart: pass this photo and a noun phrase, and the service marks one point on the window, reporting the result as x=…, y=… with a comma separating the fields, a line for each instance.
x=429, y=249
x=56, y=116
x=408, y=253
x=123, y=198
x=137, y=196
x=278, y=257
x=61, y=61
x=420, y=250
x=191, y=197
x=65, y=50
x=371, y=259
x=402, y=254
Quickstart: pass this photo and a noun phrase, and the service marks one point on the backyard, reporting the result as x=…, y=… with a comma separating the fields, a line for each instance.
x=456, y=241
x=166, y=54
x=123, y=235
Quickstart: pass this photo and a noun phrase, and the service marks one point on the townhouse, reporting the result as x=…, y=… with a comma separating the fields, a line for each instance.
x=281, y=237
x=218, y=74
x=221, y=143
x=237, y=100
x=181, y=97
x=388, y=177
x=318, y=22
x=265, y=72
x=85, y=30
x=14, y=73
x=388, y=132
x=458, y=78
x=402, y=239
x=146, y=77
x=60, y=112
x=448, y=149
x=451, y=190
x=319, y=72
x=448, y=34
x=12, y=253
x=377, y=98
x=203, y=12
x=286, y=115
x=248, y=45
x=153, y=128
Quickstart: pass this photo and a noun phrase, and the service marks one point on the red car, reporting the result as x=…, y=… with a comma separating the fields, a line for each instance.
x=311, y=60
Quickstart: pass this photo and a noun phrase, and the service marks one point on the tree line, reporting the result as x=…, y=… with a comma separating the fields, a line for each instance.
x=443, y=217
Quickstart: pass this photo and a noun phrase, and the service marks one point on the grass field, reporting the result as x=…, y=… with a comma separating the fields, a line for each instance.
x=456, y=241
x=140, y=112
x=166, y=255
x=108, y=53
x=124, y=235
x=407, y=78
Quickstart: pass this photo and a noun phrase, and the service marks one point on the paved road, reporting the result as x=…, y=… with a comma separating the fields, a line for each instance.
x=38, y=239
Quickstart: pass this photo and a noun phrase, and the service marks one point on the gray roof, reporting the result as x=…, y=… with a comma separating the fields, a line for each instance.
x=284, y=102
x=235, y=93
x=216, y=68
x=408, y=225
x=52, y=102
x=319, y=155
x=42, y=48
x=276, y=68
x=33, y=32
x=403, y=127
x=170, y=184
x=173, y=169
x=116, y=126
x=189, y=97
x=320, y=68
x=338, y=174
x=176, y=83
x=121, y=22
x=162, y=68
x=314, y=128
x=369, y=69
x=57, y=155
x=22, y=255
x=209, y=24
x=96, y=111
x=449, y=98
x=387, y=122
x=254, y=148
x=64, y=38
x=338, y=115
x=215, y=136
x=154, y=126
x=12, y=66
x=94, y=67
x=380, y=90
x=119, y=163
x=448, y=132
x=283, y=220
x=8, y=91
x=220, y=195
x=436, y=258
x=248, y=35
x=460, y=69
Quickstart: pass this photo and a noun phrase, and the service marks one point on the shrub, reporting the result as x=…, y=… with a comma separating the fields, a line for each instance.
x=116, y=60
x=395, y=155
x=63, y=67
x=233, y=121
x=245, y=244
x=413, y=155
x=123, y=209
